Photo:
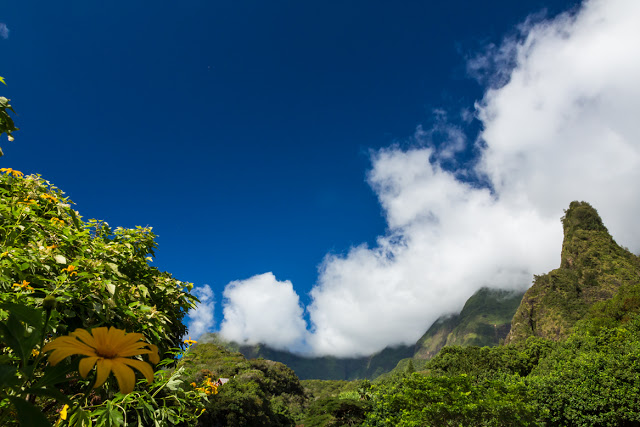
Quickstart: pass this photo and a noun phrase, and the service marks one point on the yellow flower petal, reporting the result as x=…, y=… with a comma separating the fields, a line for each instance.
x=86, y=365
x=141, y=366
x=103, y=368
x=64, y=347
x=153, y=356
x=125, y=376
x=84, y=336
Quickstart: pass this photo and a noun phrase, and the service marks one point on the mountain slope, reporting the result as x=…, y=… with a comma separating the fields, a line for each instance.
x=593, y=269
x=485, y=320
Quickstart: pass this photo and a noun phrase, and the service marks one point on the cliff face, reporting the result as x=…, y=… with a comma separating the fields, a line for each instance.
x=593, y=268
x=484, y=321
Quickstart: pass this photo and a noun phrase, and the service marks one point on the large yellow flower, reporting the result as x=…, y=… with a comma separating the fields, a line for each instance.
x=109, y=350
x=11, y=171
x=190, y=342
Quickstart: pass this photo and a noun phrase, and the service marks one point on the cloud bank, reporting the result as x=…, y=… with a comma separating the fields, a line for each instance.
x=559, y=119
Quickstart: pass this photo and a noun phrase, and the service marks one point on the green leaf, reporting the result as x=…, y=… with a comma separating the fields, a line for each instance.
x=80, y=418
x=28, y=414
x=13, y=333
x=50, y=392
x=56, y=374
x=74, y=218
x=8, y=376
x=32, y=316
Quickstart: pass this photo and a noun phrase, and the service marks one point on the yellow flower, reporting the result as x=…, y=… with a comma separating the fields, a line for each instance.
x=193, y=384
x=63, y=415
x=49, y=198
x=208, y=387
x=11, y=171
x=63, y=412
x=109, y=349
x=35, y=352
x=24, y=285
x=57, y=221
x=190, y=342
x=28, y=201
x=4, y=254
x=71, y=270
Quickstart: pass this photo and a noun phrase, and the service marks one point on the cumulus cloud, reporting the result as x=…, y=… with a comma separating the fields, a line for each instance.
x=559, y=124
x=200, y=319
x=4, y=30
x=565, y=126
x=262, y=309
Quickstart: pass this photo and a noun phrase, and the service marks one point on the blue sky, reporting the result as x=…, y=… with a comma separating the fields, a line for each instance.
x=248, y=133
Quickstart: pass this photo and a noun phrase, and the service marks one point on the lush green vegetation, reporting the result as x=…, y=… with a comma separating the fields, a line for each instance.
x=258, y=391
x=59, y=274
x=485, y=320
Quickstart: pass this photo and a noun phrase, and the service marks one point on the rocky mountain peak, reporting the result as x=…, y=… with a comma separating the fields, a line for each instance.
x=593, y=268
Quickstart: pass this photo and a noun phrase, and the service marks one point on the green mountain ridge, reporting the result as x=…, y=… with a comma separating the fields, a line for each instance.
x=485, y=320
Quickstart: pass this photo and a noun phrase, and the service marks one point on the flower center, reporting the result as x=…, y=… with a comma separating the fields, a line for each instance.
x=107, y=353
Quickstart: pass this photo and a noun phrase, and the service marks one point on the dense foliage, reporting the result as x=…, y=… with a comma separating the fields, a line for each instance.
x=258, y=391
x=59, y=273
x=591, y=379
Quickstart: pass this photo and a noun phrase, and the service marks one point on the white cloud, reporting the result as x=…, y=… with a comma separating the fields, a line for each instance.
x=201, y=318
x=262, y=309
x=4, y=30
x=565, y=126
x=559, y=124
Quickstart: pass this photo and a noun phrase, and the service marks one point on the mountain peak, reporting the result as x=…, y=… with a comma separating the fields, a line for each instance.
x=582, y=225
x=593, y=268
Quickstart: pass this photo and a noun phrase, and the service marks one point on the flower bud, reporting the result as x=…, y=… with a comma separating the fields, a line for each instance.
x=49, y=303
